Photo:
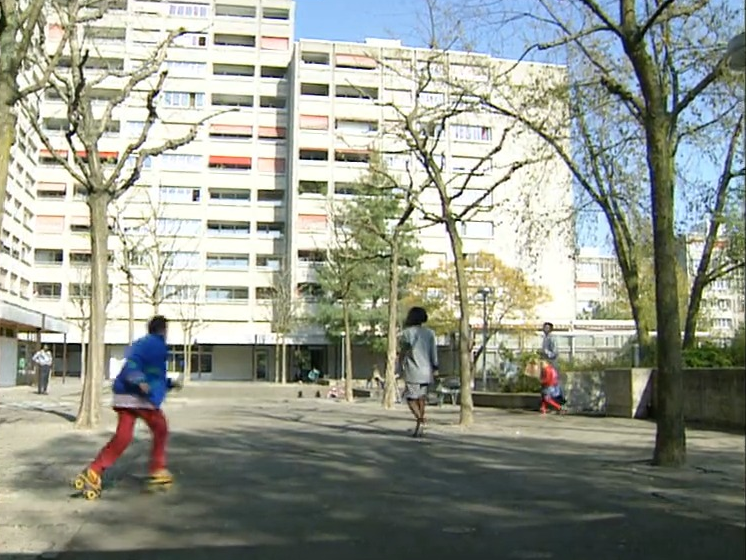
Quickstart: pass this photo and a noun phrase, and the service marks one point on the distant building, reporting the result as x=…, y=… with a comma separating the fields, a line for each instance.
x=597, y=280
x=723, y=303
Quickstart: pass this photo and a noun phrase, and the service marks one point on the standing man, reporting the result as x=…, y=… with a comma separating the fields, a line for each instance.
x=43, y=360
x=549, y=346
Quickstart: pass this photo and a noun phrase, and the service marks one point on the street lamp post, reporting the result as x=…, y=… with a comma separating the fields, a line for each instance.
x=484, y=293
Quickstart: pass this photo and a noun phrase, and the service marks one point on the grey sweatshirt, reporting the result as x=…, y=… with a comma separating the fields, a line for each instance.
x=418, y=355
x=549, y=350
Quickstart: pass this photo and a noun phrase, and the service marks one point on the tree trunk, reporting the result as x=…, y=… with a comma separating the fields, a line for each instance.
x=284, y=364
x=186, y=374
x=89, y=413
x=348, y=352
x=466, y=416
x=130, y=307
x=8, y=121
x=670, y=439
x=277, y=359
x=83, y=350
x=389, y=395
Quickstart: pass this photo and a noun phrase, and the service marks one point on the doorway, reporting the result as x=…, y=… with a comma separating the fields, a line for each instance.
x=261, y=365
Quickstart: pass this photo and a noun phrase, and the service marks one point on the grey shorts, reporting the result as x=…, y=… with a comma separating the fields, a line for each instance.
x=414, y=391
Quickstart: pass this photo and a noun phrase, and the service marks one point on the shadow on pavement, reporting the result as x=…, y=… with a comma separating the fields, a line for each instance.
x=302, y=483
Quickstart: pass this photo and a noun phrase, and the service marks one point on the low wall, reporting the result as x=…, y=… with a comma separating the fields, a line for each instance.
x=712, y=397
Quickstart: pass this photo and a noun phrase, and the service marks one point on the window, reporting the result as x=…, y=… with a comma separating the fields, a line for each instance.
x=469, y=197
x=82, y=291
x=271, y=165
x=267, y=102
x=232, y=70
x=265, y=293
x=313, y=257
x=309, y=57
x=231, y=131
x=310, y=290
x=183, y=99
x=478, y=230
x=80, y=258
x=274, y=198
x=180, y=69
x=314, y=155
x=229, y=229
x=471, y=133
x=181, y=260
x=226, y=293
x=189, y=10
x=313, y=187
x=356, y=127
x=231, y=100
x=319, y=90
x=231, y=262
x=314, y=122
x=175, y=292
x=269, y=262
x=231, y=40
x=273, y=230
x=275, y=43
x=346, y=188
x=272, y=133
x=352, y=156
x=428, y=99
x=80, y=224
x=56, y=125
x=191, y=40
x=355, y=92
x=47, y=257
x=181, y=162
x=47, y=158
x=133, y=128
x=230, y=163
x=396, y=162
x=275, y=72
x=179, y=194
x=176, y=227
x=46, y=290
x=462, y=164
x=276, y=13
x=233, y=10
x=231, y=196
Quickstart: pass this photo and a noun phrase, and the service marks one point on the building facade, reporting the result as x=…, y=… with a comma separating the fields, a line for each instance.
x=294, y=125
x=598, y=281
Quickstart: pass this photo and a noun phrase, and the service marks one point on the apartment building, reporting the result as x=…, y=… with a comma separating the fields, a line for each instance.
x=252, y=194
x=724, y=302
x=597, y=281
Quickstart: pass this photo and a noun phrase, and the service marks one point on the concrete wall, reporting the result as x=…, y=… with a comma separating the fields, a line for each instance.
x=8, y=361
x=715, y=397
x=233, y=363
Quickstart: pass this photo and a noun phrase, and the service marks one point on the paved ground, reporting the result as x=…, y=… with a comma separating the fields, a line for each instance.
x=265, y=474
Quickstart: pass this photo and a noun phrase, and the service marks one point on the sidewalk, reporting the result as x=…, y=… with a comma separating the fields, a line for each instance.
x=266, y=475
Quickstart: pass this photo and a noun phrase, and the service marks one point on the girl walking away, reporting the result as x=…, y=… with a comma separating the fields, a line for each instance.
x=139, y=391
x=418, y=362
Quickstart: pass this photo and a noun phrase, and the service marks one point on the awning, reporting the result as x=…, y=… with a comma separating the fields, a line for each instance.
x=81, y=221
x=47, y=153
x=234, y=129
x=314, y=122
x=272, y=132
x=355, y=61
x=230, y=160
x=51, y=187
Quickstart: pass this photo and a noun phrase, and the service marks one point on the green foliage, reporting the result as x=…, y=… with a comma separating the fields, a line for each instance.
x=358, y=264
x=738, y=348
x=520, y=384
x=708, y=355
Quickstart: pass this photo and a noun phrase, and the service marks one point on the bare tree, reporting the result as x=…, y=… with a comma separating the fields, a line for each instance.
x=285, y=317
x=23, y=68
x=189, y=316
x=479, y=186
x=104, y=177
x=646, y=80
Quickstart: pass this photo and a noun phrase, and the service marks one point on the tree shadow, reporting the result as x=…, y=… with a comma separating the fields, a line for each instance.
x=329, y=482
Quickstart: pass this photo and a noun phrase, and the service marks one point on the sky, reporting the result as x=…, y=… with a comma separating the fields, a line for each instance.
x=338, y=20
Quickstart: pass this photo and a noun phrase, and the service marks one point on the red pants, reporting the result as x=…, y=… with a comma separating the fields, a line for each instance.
x=155, y=420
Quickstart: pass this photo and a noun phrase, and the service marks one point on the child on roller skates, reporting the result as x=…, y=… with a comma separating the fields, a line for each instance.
x=139, y=391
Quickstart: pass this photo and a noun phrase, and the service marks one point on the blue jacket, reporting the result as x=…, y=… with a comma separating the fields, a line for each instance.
x=145, y=362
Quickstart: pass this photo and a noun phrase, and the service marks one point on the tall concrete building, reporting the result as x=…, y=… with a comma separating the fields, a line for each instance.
x=252, y=194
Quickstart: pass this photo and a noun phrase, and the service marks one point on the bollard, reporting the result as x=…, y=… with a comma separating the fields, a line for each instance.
x=300, y=394
x=318, y=394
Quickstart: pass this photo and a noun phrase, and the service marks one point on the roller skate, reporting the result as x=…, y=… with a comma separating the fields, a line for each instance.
x=159, y=481
x=88, y=483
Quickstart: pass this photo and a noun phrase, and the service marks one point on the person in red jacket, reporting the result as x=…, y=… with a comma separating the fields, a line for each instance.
x=551, y=392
